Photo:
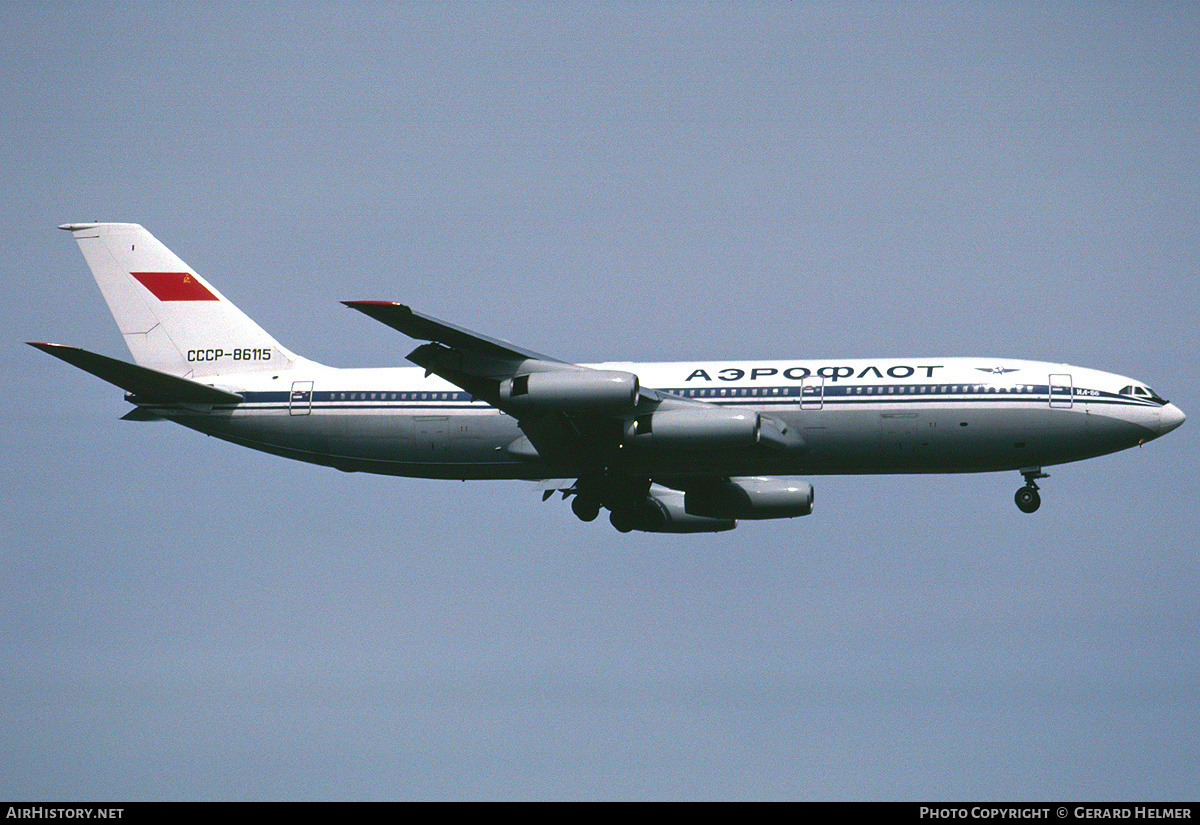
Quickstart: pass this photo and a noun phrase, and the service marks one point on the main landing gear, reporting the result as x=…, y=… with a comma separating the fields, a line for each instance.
x=623, y=495
x=1027, y=498
x=585, y=507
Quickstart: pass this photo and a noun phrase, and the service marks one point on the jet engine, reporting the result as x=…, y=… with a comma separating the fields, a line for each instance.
x=608, y=391
x=694, y=429
x=709, y=428
x=750, y=498
x=663, y=511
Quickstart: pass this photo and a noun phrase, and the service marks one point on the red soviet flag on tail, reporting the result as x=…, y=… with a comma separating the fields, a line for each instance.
x=174, y=286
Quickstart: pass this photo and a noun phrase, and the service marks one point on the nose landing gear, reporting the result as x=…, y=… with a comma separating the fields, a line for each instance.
x=1027, y=497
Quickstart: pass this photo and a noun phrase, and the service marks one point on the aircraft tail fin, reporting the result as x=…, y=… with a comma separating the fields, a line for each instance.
x=173, y=320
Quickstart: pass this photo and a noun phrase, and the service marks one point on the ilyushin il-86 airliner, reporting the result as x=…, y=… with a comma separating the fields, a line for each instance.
x=665, y=447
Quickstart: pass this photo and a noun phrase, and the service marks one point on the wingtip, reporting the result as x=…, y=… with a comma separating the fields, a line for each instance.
x=367, y=306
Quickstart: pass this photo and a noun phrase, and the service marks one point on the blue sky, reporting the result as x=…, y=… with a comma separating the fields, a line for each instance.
x=185, y=619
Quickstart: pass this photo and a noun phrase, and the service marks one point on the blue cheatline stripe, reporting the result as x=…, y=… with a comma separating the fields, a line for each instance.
x=786, y=396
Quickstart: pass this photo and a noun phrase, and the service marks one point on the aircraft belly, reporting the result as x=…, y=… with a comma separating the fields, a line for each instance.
x=433, y=446
x=1107, y=433
x=881, y=440
x=904, y=440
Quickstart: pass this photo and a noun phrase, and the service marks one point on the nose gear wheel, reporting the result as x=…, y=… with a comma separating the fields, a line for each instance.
x=1027, y=498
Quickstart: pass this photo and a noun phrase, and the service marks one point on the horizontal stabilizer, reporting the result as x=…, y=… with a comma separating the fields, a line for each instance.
x=425, y=328
x=141, y=414
x=143, y=382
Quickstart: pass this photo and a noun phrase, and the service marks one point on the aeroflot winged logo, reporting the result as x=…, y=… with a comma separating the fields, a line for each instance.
x=997, y=370
x=174, y=286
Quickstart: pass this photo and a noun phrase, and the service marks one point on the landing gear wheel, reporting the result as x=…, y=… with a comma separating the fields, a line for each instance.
x=1028, y=499
x=622, y=519
x=585, y=507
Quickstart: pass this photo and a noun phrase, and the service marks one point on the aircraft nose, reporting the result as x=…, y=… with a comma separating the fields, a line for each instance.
x=1169, y=417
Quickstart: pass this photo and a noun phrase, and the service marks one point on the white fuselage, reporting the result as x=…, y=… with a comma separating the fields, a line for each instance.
x=939, y=415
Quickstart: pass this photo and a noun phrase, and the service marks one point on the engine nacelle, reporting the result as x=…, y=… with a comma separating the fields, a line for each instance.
x=703, y=428
x=663, y=512
x=751, y=498
x=609, y=391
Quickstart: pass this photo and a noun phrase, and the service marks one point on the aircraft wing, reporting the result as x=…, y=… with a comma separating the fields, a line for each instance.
x=426, y=328
x=569, y=413
x=475, y=362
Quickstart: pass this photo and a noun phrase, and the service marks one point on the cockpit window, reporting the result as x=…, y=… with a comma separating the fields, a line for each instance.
x=1143, y=392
